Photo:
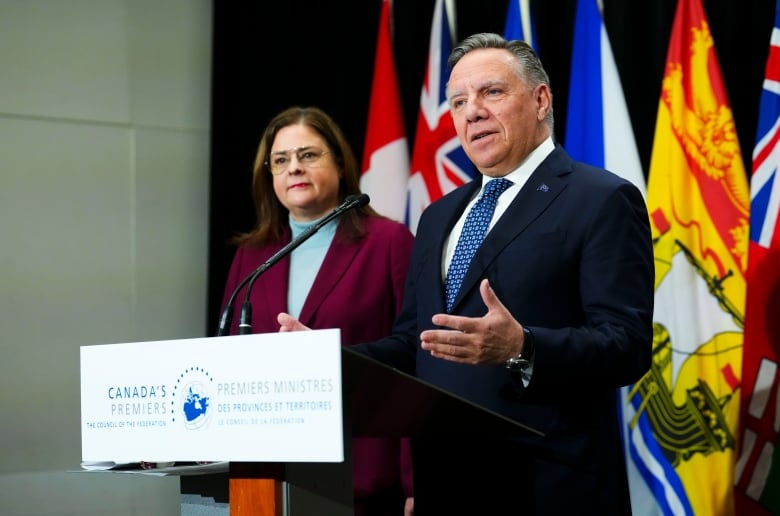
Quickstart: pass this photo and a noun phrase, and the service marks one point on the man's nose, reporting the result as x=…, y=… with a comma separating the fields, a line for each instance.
x=475, y=111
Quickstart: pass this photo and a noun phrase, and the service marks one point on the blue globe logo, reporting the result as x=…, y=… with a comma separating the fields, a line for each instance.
x=195, y=406
x=191, y=395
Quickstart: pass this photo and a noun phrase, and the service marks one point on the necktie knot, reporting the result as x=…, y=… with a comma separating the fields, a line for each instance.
x=494, y=189
x=474, y=230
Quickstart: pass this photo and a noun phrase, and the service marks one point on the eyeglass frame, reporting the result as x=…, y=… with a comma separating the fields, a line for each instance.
x=297, y=151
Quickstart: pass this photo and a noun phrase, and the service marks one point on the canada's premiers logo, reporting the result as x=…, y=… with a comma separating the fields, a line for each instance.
x=191, y=398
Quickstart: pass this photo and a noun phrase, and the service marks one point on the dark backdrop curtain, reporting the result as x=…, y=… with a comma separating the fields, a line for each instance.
x=270, y=55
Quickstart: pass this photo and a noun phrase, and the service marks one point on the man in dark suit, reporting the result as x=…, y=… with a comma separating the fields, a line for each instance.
x=553, y=315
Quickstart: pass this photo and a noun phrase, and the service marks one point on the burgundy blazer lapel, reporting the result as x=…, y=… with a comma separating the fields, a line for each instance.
x=335, y=265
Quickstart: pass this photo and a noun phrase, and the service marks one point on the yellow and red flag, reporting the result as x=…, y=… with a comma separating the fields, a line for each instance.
x=683, y=413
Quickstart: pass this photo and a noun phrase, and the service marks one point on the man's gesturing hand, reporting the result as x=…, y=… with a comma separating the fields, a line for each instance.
x=489, y=340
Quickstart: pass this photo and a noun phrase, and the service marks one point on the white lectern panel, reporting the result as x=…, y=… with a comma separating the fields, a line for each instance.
x=273, y=397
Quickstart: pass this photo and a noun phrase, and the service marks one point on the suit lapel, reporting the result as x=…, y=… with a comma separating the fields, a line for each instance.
x=338, y=258
x=545, y=184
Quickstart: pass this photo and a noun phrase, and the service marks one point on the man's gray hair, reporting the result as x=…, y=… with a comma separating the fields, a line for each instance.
x=530, y=68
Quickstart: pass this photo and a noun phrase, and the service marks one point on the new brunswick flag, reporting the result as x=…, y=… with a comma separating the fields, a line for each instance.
x=683, y=413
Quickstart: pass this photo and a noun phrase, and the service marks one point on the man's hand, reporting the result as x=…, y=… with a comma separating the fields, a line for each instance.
x=409, y=507
x=491, y=339
x=289, y=323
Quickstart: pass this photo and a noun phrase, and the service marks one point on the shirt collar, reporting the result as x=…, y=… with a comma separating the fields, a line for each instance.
x=521, y=174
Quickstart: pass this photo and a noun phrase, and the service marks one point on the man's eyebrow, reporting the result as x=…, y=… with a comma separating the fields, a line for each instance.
x=492, y=83
x=449, y=94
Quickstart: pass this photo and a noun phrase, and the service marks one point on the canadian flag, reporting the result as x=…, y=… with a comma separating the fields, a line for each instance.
x=386, y=151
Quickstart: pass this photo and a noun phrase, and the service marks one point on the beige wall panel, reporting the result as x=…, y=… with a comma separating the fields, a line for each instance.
x=88, y=494
x=172, y=234
x=170, y=54
x=104, y=165
x=67, y=277
x=64, y=59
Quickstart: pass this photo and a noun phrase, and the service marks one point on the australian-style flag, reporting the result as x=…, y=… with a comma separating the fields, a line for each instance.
x=439, y=164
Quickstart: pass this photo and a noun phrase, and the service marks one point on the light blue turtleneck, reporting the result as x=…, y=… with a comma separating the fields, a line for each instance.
x=305, y=261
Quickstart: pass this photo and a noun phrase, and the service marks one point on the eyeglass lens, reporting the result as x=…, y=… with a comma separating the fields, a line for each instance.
x=280, y=161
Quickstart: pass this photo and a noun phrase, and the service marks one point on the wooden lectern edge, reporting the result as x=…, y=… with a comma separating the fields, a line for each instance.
x=256, y=488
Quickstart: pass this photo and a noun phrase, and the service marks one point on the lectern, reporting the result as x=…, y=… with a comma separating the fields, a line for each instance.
x=379, y=401
x=281, y=408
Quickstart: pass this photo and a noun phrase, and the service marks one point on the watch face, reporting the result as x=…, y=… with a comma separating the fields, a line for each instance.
x=516, y=363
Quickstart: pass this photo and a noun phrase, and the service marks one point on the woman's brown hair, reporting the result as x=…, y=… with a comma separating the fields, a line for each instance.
x=271, y=215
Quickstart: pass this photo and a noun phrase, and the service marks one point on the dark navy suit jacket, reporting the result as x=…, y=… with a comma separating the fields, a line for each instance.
x=572, y=260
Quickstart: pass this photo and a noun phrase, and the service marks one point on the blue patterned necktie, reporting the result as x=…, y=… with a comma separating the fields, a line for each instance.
x=474, y=229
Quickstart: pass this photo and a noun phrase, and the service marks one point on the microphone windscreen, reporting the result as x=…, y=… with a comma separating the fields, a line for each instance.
x=359, y=200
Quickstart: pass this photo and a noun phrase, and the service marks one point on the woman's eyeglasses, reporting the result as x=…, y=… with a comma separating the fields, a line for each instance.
x=279, y=162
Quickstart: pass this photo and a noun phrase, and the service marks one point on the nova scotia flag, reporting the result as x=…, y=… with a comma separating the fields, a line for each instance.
x=519, y=23
x=599, y=132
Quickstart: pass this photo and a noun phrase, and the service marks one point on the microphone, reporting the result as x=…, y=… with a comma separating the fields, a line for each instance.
x=245, y=324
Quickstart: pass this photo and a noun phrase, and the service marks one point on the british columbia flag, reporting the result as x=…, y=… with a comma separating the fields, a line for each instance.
x=439, y=164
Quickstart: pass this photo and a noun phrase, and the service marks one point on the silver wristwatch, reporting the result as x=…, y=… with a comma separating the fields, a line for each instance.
x=522, y=360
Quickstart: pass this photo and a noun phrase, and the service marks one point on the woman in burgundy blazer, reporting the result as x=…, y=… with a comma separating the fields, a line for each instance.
x=349, y=275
